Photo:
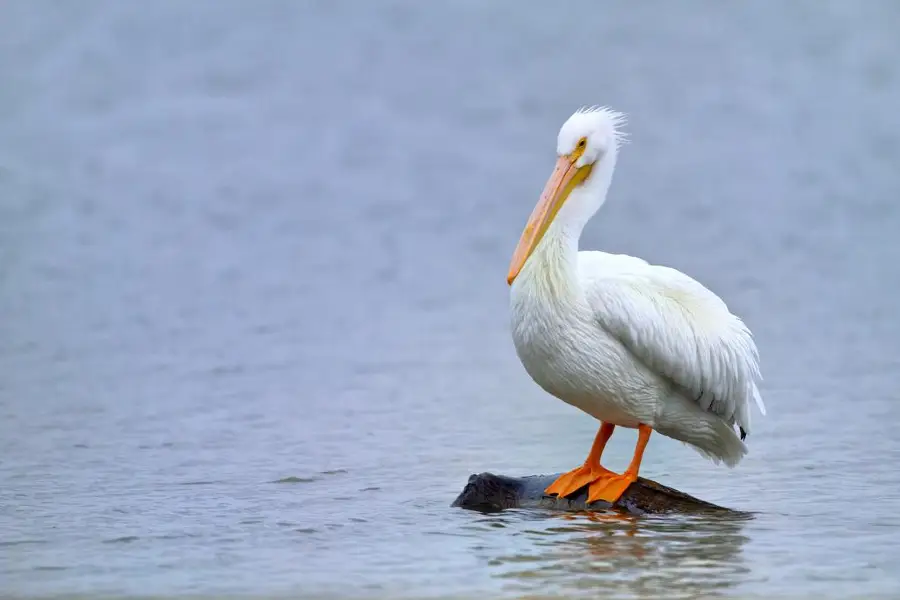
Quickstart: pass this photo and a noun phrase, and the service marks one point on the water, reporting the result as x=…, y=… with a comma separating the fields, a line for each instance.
x=254, y=333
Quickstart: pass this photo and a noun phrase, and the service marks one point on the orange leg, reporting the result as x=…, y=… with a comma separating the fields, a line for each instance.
x=591, y=470
x=603, y=483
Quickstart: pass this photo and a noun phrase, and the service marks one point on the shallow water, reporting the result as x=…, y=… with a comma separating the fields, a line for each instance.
x=254, y=333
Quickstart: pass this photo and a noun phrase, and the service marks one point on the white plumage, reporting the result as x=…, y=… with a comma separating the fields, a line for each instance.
x=625, y=341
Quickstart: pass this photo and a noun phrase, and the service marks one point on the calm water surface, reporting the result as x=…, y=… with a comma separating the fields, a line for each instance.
x=254, y=319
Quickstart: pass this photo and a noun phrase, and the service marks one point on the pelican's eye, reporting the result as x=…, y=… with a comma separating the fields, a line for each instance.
x=580, y=147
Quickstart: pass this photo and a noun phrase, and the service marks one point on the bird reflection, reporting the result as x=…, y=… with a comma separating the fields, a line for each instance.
x=619, y=555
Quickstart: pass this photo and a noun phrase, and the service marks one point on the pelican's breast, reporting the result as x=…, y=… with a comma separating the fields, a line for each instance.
x=569, y=355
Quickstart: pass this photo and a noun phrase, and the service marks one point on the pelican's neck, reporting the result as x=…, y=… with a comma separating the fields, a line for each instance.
x=553, y=266
x=554, y=262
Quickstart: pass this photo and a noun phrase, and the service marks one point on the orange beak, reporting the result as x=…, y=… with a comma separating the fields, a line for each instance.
x=566, y=176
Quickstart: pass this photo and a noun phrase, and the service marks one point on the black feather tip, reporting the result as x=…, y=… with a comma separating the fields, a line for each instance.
x=743, y=434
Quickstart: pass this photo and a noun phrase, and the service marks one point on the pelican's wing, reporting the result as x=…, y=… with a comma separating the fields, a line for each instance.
x=678, y=328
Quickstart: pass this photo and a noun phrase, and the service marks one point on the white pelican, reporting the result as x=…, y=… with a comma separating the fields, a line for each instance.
x=630, y=343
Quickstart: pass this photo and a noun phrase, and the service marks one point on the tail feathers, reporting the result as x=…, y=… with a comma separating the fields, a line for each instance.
x=729, y=449
x=706, y=433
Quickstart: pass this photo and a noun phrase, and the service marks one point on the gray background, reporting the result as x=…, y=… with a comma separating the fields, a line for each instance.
x=253, y=311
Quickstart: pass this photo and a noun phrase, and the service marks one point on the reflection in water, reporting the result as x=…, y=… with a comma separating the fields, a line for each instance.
x=623, y=555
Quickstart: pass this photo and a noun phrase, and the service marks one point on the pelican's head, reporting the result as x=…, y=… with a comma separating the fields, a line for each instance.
x=586, y=146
